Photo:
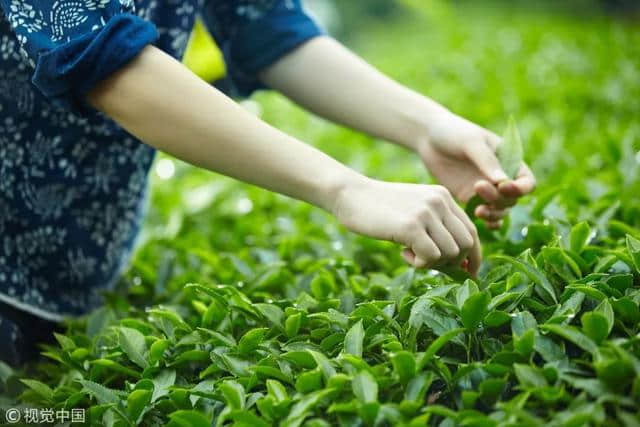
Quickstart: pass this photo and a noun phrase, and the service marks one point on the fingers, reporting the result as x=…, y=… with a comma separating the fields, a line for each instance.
x=524, y=184
x=493, y=140
x=488, y=213
x=475, y=257
x=493, y=225
x=423, y=251
x=475, y=253
x=442, y=237
x=492, y=195
x=484, y=158
x=440, y=233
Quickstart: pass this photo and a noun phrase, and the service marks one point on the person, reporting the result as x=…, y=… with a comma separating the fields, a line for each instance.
x=91, y=88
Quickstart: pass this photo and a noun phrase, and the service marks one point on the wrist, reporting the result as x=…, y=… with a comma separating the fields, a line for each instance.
x=348, y=182
x=419, y=120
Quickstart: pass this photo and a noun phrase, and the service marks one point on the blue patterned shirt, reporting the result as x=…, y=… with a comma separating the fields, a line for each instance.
x=73, y=184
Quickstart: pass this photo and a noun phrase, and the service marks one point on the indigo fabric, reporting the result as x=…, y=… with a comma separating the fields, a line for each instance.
x=73, y=184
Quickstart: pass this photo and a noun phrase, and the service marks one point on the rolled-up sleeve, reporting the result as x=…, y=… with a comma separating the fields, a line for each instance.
x=255, y=34
x=74, y=44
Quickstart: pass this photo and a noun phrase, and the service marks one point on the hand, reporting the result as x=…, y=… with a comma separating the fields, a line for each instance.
x=461, y=156
x=424, y=218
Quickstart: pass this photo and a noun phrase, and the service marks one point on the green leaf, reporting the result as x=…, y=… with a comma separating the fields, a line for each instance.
x=633, y=247
x=162, y=382
x=292, y=325
x=66, y=343
x=323, y=363
x=137, y=402
x=271, y=312
x=533, y=274
x=185, y=418
x=251, y=340
x=626, y=309
x=101, y=393
x=496, y=318
x=157, y=349
x=6, y=372
x=353, y=340
x=233, y=393
x=271, y=372
x=528, y=376
x=510, y=151
x=309, y=381
x=475, y=309
x=171, y=316
x=437, y=344
x=305, y=404
x=467, y=289
x=570, y=333
x=277, y=390
x=214, y=314
x=606, y=310
x=579, y=236
x=524, y=344
x=132, y=343
x=247, y=419
x=365, y=387
x=491, y=388
x=404, y=365
x=595, y=325
x=115, y=367
x=616, y=373
x=418, y=386
x=472, y=204
x=40, y=388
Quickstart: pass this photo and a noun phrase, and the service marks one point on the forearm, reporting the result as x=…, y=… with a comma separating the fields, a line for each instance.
x=158, y=100
x=326, y=78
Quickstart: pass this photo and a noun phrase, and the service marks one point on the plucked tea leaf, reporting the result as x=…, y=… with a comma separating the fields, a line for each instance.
x=509, y=151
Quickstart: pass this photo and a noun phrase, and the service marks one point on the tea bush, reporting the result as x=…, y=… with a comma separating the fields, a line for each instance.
x=245, y=308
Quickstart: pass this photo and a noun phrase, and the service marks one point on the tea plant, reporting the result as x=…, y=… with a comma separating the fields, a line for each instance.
x=244, y=308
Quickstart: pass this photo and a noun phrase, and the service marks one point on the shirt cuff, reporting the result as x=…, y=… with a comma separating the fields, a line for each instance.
x=66, y=73
x=263, y=42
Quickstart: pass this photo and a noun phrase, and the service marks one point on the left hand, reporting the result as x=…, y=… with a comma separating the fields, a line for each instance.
x=461, y=156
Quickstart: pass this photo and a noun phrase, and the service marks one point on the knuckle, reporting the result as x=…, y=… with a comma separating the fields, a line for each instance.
x=409, y=227
x=436, y=201
x=442, y=191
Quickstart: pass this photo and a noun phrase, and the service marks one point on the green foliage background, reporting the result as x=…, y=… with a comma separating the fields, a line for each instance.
x=244, y=307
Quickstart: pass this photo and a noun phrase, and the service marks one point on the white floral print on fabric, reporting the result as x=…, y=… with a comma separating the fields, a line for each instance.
x=73, y=185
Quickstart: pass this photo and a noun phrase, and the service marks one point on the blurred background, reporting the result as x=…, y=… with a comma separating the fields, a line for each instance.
x=569, y=71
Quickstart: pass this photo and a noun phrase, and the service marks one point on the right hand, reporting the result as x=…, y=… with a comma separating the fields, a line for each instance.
x=424, y=218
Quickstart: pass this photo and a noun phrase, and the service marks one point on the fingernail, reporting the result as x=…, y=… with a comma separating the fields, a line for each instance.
x=499, y=176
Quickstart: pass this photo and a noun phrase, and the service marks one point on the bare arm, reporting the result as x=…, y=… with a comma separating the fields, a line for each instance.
x=157, y=99
x=328, y=79
x=325, y=77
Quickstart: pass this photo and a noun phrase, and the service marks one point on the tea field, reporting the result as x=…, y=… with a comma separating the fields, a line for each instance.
x=242, y=307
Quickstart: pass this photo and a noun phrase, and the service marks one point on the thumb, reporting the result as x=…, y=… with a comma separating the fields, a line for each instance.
x=484, y=158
